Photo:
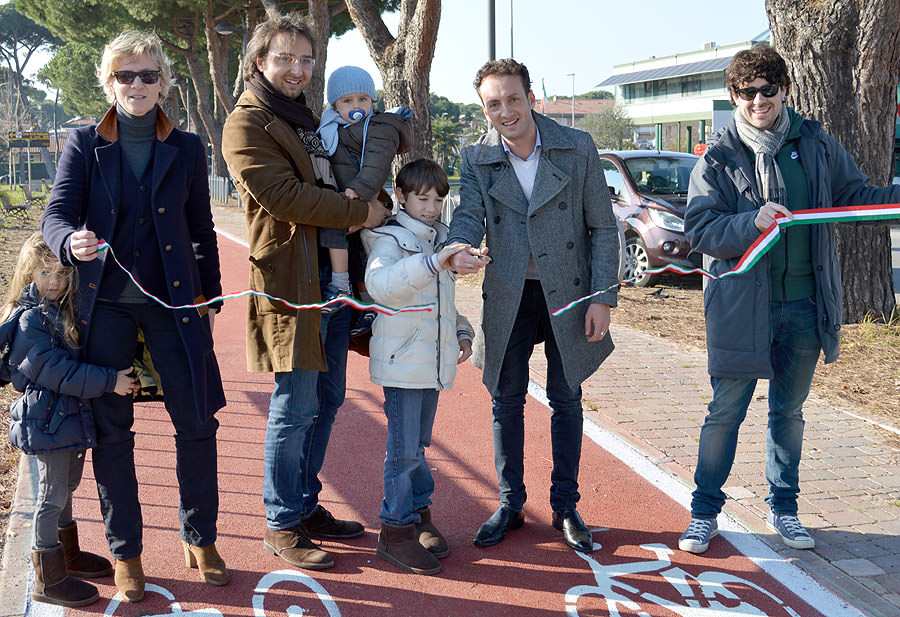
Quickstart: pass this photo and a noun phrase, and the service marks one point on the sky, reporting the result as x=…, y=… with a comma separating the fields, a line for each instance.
x=559, y=37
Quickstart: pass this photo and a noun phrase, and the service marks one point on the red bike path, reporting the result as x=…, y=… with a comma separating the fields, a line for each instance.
x=634, y=570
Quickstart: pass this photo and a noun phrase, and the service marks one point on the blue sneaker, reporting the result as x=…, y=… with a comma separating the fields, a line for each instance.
x=791, y=531
x=699, y=533
x=333, y=292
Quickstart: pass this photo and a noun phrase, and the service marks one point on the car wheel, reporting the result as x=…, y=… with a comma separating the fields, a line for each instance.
x=637, y=261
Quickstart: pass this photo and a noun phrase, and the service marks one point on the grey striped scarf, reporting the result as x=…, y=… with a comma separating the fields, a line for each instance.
x=765, y=145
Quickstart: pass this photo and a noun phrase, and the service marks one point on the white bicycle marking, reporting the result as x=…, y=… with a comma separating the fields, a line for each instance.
x=175, y=606
x=711, y=587
x=292, y=576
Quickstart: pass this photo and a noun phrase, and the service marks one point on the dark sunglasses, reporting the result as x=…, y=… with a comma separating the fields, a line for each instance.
x=127, y=77
x=768, y=91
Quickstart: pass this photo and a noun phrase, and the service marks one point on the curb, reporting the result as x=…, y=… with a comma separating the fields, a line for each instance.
x=16, y=573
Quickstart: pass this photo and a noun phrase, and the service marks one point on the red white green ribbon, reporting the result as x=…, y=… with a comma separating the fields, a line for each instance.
x=363, y=306
x=764, y=243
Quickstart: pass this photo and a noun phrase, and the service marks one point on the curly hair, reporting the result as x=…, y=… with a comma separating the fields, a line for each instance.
x=758, y=61
x=35, y=255
x=292, y=24
x=503, y=67
x=133, y=43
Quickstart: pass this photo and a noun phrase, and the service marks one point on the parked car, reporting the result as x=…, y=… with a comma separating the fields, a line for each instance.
x=649, y=195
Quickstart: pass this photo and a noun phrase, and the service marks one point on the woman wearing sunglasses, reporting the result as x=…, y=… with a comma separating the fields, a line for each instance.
x=139, y=184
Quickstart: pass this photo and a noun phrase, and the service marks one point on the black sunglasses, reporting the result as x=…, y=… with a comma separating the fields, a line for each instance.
x=127, y=77
x=768, y=91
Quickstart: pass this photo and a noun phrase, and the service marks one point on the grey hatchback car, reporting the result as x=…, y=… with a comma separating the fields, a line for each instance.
x=649, y=195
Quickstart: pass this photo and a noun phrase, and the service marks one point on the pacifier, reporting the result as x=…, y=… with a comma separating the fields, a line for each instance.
x=356, y=115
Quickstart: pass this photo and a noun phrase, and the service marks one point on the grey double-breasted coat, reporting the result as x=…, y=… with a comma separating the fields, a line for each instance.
x=569, y=227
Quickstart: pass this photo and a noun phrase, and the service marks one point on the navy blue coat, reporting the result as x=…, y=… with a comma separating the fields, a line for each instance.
x=52, y=413
x=86, y=196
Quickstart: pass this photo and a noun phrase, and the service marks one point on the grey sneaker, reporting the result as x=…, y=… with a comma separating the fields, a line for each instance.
x=699, y=533
x=791, y=531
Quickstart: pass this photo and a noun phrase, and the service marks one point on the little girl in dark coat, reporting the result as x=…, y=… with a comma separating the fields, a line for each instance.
x=52, y=419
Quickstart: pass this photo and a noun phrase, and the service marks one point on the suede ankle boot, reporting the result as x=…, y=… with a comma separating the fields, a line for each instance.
x=51, y=583
x=399, y=545
x=81, y=563
x=429, y=536
x=207, y=560
x=130, y=579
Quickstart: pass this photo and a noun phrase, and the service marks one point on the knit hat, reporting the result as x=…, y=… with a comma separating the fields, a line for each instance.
x=350, y=80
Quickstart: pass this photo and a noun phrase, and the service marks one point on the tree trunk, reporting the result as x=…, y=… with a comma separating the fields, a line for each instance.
x=204, y=110
x=844, y=61
x=404, y=61
x=320, y=24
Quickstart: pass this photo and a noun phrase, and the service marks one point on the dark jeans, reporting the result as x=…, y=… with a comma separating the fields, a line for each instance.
x=301, y=414
x=794, y=352
x=508, y=403
x=113, y=344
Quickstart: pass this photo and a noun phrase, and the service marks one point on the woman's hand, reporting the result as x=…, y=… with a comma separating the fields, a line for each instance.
x=83, y=245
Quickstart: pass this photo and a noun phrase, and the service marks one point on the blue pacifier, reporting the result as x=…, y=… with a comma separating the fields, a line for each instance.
x=356, y=115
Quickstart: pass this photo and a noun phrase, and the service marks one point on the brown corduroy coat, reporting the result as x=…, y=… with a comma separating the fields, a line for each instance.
x=274, y=177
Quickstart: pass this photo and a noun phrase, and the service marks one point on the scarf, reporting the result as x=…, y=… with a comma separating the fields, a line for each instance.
x=328, y=129
x=298, y=115
x=765, y=145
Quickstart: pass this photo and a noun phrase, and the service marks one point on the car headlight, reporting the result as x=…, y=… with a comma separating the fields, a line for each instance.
x=666, y=220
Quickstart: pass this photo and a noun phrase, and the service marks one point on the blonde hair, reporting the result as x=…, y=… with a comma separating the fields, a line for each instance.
x=36, y=254
x=133, y=43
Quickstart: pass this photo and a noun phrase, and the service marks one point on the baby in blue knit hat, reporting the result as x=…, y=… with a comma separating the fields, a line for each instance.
x=361, y=145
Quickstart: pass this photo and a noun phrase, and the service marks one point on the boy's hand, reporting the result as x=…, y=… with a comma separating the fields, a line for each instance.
x=351, y=193
x=465, y=350
x=469, y=261
x=449, y=251
x=126, y=382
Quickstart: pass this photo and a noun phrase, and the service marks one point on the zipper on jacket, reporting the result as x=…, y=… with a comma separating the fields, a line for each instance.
x=786, y=263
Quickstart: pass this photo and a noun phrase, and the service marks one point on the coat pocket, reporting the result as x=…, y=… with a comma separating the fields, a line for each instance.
x=731, y=314
x=399, y=352
x=274, y=272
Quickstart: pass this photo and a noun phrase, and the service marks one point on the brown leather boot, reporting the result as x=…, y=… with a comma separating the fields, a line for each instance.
x=294, y=546
x=130, y=579
x=80, y=563
x=207, y=560
x=51, y=583
x=399, y=545
x=429, y=536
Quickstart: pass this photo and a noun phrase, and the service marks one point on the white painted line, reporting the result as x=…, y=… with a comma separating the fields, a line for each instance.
x=234, y=239
x=798, y=581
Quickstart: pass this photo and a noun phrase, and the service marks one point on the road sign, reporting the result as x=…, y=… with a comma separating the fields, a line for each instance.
x=25, y=139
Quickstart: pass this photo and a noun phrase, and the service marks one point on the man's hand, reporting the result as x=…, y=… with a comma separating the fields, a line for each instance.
x=351, y=193
x=465, y=350
x=83, y=245
x=596, y=322
x=378, y=214
x=469, y=261
x=766, y=215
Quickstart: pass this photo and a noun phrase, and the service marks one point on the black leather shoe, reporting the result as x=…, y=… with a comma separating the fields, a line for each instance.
x=494, y=530
x=575, y=532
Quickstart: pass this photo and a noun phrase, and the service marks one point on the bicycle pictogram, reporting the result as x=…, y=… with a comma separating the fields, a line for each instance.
x=707, y=594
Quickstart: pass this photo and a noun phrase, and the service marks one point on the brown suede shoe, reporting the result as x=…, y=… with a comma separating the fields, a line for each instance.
x=321, y=524
x=294, y=546
x=429, y=536
x=80, y=563
x=398, y=544
x=130, y=579
x=207, y=560
x=51, y=583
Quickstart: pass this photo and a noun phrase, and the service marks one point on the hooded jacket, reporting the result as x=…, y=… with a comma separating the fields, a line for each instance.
x=52, y=413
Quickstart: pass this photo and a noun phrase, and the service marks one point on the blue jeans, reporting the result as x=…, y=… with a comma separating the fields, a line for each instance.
x=794, y=352
x=113, y=344
x=301, y=414
x=408, y=484
x=508, y=406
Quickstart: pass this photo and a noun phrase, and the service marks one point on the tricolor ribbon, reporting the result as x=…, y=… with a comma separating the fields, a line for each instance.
x=363, y=306
x=764, y=243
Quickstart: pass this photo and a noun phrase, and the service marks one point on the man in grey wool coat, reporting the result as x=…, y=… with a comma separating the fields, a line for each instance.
x=535, y=189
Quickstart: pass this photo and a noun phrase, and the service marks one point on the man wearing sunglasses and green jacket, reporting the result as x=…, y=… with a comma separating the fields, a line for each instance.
x=771, y=322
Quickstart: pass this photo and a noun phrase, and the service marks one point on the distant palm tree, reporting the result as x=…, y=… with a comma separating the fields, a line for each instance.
x=445, y=140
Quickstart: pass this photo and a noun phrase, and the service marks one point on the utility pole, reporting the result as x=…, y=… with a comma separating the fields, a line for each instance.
x=492, y=37
x=572, y=75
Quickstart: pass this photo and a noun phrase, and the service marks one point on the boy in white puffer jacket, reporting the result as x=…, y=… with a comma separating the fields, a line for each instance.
x=413, y=356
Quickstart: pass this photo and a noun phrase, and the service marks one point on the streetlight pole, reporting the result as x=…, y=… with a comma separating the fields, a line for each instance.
x=572, y=75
